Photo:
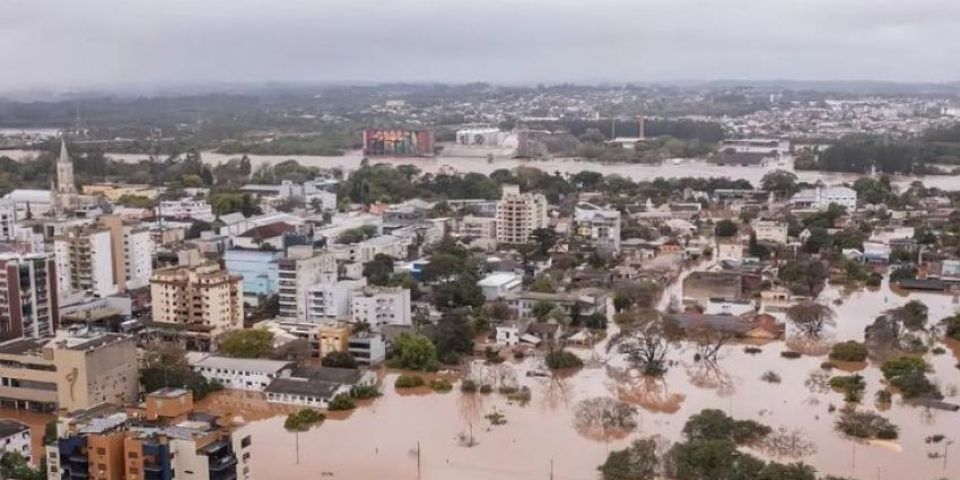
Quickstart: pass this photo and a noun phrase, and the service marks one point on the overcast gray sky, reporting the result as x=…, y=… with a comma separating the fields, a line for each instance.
x=84, y=43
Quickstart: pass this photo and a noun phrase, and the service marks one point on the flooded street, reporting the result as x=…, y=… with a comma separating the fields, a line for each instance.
x=682, y=168
x=379, y=440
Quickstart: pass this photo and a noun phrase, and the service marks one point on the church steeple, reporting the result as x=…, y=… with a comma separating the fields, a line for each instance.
x=66, y=191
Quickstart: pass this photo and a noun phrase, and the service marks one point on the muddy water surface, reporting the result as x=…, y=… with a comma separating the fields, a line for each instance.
x=380, y=440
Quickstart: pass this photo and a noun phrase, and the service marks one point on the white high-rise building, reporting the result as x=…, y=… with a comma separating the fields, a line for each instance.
x=328, y=302
x=132, y=250
x=84, y=261
x=518, y=214
x=303, y=268
x=379, y=306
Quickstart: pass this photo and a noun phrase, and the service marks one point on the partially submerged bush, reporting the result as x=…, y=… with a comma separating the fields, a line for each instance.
x=852, y=387
x=440, y=385
x=562, y=359
x=864, y=424
x=409, y=381
x=849, y=351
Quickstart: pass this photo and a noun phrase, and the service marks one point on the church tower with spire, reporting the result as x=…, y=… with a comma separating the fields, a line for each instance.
x=65, y=194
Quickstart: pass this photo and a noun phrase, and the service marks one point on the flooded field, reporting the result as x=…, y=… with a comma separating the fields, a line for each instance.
x=381, y=439
x=676, y=168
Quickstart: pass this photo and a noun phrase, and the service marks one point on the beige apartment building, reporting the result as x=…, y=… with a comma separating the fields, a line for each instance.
x=74, y=371
x=518, y=214
x=204, y=298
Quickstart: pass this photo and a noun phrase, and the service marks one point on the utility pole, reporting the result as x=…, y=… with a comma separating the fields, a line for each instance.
x=551, y=469
x=418, y=460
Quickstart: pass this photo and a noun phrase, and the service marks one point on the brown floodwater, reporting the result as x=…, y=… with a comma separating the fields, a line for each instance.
x=456, y=439
x=381, y=439
x=673, y=168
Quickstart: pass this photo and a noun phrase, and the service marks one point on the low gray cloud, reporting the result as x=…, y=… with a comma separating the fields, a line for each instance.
x=70, y=43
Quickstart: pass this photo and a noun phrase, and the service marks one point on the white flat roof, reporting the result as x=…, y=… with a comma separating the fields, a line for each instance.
x=245, y=364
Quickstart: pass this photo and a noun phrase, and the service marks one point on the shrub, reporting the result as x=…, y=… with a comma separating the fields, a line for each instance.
x=486, y=388
x=468, y=386
x=339, y=360
x=852, y=387
x=409, y=381
x=505, y=390
x=770, y=377
x=862, y=424
x=752, y=350
x=908, y=374
x=561, y=359
x=440, y=385
x=790, y=354
x=849, y=351
x=827, y=366
x=363, y=392
x=342, y=402
x=884, y=397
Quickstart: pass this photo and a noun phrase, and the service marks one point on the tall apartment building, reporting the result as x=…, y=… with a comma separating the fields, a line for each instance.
x=518, y=214
x=84, y=263
x=166, y=440
x=598, y=226
x=132, y=249
x=301, y=269
x=203, y=298
x=379, y=306
x=28, y=296
x=74, y=371
x=328, y=302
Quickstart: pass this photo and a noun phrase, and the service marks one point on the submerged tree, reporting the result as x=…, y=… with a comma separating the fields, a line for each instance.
x=646, y=342
x=811, y=317
x=604, y=417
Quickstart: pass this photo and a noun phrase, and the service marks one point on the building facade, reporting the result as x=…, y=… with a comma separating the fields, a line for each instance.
x=598, y=226
x=14, y=438
x=94, y=369
x=258, y=269
x=379, y=306
x=166, y=440
x=301, y=269
x=28, y=296
x=518, y=214
x=820, y=198
x=84, y=263
x=330, y=301
x=203, y=298
x=480, y=232
x=132, y=249
x=770, y=231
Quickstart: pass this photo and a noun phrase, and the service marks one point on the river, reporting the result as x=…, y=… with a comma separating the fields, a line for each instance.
x=676, y=168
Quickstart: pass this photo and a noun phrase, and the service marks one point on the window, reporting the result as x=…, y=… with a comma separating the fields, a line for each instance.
x=132, y=455
x=245, y=442
x=101, y=451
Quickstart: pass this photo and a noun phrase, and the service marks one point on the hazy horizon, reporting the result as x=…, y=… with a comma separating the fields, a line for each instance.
x=101, y=44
